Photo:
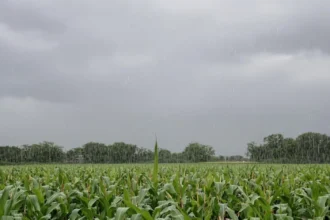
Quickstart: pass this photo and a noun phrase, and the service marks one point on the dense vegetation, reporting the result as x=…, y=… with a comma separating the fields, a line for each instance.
x=306, y=148
x=93, y=152
x=186, y=191
x=46, y=152
x=198, y=191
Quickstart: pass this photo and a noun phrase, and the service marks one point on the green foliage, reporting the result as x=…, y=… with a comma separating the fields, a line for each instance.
x=94, y=152
x=196, y=152
x=306, y=148
x=45, y=152
x=155, y=173
x=188, y=191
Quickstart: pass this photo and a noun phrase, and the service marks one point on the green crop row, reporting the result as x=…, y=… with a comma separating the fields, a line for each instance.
x=190, y=191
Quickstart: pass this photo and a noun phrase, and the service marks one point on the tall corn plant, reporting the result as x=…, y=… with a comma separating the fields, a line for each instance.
x=155, y=173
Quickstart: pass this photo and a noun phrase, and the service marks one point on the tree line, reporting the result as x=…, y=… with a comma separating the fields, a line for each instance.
x=45, y=152
x=308, y=147
x=94, y=152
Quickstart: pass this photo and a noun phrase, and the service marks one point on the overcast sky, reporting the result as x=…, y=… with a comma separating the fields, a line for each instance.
x=222, y=73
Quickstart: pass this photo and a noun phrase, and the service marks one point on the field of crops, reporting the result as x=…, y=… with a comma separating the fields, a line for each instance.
x=186, y=191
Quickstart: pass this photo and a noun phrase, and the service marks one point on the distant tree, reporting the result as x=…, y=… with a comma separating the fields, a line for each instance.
x=306, y=148
x=222, y=158
x=165, y=156
x=94, y=152
x=75, y=155
x=196, y=152
x=143, y=155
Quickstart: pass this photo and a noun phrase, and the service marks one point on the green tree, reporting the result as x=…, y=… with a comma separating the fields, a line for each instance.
x=196, y=152
x=165, y=156
x=308, y=147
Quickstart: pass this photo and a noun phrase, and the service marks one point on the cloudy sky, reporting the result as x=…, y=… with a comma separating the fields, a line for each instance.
x=221, y=73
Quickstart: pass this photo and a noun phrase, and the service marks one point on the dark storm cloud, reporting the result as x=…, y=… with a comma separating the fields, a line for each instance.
x=218, y=72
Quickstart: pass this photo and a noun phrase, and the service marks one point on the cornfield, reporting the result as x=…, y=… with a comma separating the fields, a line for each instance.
x=185, y=191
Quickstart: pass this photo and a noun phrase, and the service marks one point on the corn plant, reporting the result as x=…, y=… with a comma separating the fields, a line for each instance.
x=171, y=191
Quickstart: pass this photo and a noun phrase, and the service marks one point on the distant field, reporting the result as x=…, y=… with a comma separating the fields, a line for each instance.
x=183, y=191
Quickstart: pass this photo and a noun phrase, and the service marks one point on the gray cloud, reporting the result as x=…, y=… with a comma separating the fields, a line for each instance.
x=22, y=18
x=219, y=72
